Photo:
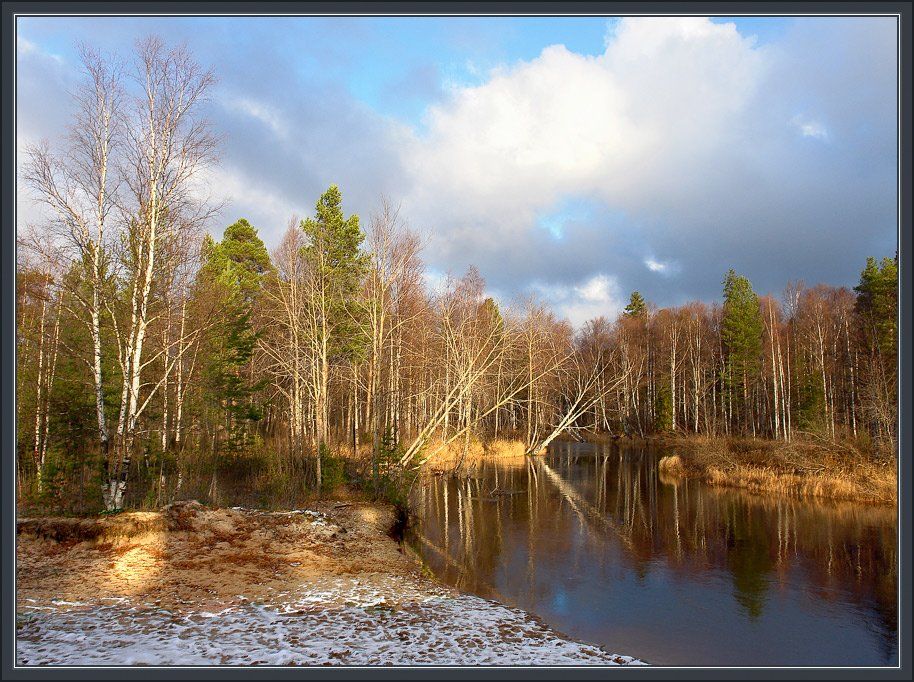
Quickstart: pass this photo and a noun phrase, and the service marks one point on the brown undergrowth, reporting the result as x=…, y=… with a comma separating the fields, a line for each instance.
x=804, y=467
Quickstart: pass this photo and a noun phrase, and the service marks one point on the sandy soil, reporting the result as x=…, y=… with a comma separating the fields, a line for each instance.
x=191, y=585
x=189, y=554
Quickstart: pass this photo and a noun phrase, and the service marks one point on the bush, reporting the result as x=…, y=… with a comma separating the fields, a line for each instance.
x=333, y=471
x=663, y=410
x=71, y=484
x=393, y=481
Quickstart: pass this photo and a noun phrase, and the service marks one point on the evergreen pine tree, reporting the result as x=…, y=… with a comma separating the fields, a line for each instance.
x=232, y=274
x=636, y=306
x=336, y=267
x=663, y=410
x=741, y=333
x=877, y=304
x=335, y=258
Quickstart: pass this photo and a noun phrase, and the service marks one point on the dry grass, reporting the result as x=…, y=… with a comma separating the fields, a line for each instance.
x=452, y=456
x=801, y=468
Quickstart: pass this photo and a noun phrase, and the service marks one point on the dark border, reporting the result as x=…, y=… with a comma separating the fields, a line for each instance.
x=348, y=7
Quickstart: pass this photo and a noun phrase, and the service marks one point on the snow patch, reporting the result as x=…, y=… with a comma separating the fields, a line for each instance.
x=389, y=621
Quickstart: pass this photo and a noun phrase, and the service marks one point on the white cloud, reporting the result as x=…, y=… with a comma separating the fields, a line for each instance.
x=565, y=122
x=595, y=290
x=265, y=207
x=624, y=128
x=27, y=48
x=655, y=266
x=676, y=132
x=259, y=111
x=681, y=138
x=810, y=128
x=24, y=46
x=593, y=297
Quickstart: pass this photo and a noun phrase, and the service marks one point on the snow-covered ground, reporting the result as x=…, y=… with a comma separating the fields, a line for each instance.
x=344, y=621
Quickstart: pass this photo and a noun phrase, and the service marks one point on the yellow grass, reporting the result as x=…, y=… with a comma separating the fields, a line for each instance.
x=804, y=468
x=452, y=456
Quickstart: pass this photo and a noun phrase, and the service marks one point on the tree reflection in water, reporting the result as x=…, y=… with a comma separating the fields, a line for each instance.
x=602, y=545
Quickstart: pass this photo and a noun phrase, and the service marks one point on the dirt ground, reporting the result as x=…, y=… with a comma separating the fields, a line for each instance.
x=190, y=585
x=188, y=554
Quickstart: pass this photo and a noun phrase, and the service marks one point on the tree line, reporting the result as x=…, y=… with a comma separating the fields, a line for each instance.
x=149, y=351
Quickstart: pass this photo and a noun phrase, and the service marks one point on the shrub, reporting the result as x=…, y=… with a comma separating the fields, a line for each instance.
x=393, y=481
x=333, y=471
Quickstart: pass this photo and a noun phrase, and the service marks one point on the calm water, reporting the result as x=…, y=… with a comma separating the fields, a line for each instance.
x=604, y=548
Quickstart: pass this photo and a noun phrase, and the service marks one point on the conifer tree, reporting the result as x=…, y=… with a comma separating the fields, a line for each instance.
x=877, y=304
x=232, y=275
x=336, y=266
x=877, y=310
x=741, y=334
x=636, y=306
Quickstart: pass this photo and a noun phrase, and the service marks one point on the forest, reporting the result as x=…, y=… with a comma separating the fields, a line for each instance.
x=156, y=362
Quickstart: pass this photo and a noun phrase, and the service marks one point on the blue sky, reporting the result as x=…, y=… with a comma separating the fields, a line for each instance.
x=577, y=158
x=393, y=66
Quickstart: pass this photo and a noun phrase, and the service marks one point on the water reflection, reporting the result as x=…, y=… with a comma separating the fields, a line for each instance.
x=604, y=547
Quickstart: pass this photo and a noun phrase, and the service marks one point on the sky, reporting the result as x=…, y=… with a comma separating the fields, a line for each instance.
x=576, y=159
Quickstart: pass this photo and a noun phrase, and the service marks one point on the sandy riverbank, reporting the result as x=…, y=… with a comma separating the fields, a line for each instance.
x=191, y=585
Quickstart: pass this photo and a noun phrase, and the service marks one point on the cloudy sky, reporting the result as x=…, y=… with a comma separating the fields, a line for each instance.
x=575, y=158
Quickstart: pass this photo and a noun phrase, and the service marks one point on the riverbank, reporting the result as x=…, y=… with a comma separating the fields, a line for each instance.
x=801, y=468
x=804, y=467
x=190, y=585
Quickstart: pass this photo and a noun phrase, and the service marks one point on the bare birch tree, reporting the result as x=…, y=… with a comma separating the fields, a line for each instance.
x=167, y=146
x=80, y=185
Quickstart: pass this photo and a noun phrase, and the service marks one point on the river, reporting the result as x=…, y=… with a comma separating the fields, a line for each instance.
x=598, y=543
